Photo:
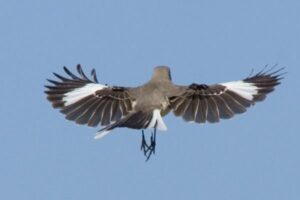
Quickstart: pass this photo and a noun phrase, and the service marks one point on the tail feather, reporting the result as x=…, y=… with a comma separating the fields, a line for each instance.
x=137, y=120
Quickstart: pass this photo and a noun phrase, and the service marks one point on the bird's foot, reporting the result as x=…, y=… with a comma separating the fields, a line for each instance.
x=148, y=149
x=144, y=145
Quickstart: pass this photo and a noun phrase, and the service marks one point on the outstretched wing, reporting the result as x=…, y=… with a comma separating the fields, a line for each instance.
x=201, y=103
x=86, y=101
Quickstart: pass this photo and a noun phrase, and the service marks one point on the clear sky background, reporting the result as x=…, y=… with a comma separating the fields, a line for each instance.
x=252, y=156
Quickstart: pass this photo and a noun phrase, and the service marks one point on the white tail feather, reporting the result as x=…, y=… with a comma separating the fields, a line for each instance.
x=101, y=134
x=157, y=118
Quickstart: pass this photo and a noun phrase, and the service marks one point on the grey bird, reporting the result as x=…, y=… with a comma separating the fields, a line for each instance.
x=86, y=101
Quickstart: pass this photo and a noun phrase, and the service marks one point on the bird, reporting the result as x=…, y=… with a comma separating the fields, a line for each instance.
x=86, y=101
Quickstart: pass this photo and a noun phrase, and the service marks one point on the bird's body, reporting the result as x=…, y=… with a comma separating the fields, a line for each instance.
x=158, y=87
x=88, y=102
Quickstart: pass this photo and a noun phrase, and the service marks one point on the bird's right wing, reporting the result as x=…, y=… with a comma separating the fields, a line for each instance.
x=202, y=103
x=86, y=101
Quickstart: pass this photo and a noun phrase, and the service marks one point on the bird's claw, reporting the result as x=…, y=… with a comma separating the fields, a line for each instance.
x=148, y=149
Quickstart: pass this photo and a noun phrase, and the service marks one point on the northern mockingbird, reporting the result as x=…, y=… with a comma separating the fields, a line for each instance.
x=86, y=101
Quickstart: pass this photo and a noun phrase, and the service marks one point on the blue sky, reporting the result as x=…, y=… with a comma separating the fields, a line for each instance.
x=252, y=156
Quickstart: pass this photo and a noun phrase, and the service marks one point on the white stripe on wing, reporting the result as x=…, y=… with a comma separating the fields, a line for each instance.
x=79, y=93
x=244, y=89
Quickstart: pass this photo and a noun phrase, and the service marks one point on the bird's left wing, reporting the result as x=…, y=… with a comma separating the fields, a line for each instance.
x=202, y=103
x=86, y=101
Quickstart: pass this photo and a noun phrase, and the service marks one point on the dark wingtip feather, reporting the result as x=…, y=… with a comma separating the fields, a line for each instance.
x=73, y=78
x=49, y=87
x=53, y=82
x=70, y=73
x=271, y=74
x=94, y=75
x=55, y=90
x=262, y=71
x=266, y=80
x=61, y=77
x=81, y=73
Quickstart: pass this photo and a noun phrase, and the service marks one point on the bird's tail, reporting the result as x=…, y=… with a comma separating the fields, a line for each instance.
x=136, y=120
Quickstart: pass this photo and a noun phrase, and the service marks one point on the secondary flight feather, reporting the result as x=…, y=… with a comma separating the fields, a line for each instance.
x=86, y=101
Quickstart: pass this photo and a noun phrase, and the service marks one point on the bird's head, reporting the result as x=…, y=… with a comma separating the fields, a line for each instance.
x=161, y=73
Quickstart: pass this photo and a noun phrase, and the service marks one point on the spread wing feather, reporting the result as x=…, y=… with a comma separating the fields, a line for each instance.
x=202, y=103
x=85, y=101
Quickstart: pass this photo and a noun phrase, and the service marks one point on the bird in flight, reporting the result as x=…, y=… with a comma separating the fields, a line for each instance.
x=86, y=101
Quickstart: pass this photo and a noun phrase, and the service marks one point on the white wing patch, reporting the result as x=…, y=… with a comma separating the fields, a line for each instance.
x=79, y=93
x=246, y=90
x=157, y=118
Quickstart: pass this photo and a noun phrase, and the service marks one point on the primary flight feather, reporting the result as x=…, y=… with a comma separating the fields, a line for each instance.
x=86, y=101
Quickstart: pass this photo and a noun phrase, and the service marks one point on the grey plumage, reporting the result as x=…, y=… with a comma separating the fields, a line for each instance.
x=200, y=103
x=86, y=101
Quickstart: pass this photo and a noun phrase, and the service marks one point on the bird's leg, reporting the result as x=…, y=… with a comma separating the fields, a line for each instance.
x=153, y=140
x=144, y=145
x=151, y=147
